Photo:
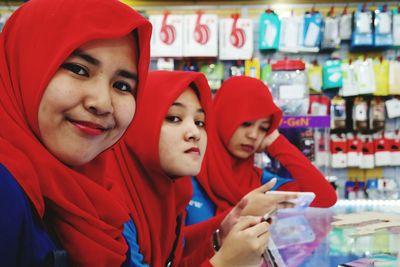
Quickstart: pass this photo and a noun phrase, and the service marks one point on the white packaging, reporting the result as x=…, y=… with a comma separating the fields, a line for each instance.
x=339, y=160
x=167, y=36
x=383, y=158
x=345, y=27
x=396, y=29
x=235, y=39
x=200, y=35
x=290, y=33
x=367, y=161
x=393, y=108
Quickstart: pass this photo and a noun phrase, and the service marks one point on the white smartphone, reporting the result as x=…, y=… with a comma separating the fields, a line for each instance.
x=302, y=200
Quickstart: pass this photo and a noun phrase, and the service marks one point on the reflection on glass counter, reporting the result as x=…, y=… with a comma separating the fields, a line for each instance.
x=306, y=237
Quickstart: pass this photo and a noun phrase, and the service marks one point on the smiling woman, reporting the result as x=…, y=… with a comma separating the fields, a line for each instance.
x=64, y=101
x=88, y=104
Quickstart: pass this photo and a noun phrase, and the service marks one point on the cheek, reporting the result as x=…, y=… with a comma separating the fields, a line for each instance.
x=125, y=111
x=203, y=142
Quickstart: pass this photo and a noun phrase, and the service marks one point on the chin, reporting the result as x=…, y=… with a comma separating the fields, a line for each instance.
x=190, y=171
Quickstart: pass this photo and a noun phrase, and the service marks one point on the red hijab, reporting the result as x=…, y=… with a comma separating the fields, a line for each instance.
x=154, y=199
x=226, y=178
x=35, y=41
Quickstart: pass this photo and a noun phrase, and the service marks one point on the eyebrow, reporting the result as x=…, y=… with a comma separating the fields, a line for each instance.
x=178, y=104
x=90, y=59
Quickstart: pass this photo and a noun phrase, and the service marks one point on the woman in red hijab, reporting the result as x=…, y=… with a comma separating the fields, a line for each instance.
x=159, y=153
x=69, y=74
x=247, y=121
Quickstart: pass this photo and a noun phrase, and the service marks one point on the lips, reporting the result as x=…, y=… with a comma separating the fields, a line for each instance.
x=247, y=148
x=89, y=128
x=193, y=150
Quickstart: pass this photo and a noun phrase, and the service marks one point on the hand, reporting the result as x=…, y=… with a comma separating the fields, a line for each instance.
x=268, y=140
x=259, y=203
x=231, y=219
x=244, y=244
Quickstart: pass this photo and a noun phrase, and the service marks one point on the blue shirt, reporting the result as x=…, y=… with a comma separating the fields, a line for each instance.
x=136, y=258
x=23, y=239
x=201, y=207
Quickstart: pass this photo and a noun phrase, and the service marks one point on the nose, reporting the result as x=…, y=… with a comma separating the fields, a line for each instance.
x=252, y=132
x=98, y=100
x=192, y=132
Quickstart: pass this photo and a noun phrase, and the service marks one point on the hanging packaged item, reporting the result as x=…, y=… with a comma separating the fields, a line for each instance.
x=331, y=74
x=235, y=38
x=307, y=144
x=360, y=114
x=362, y=35
x=290, y=33
x=200, y=35
x=382, y=150
x=167, y=36
x=381, y=72
x=237, y=69
x=349, y=84
x=331, y=38
x=394, y=140
x=393, y=108
x=266, y=69
x=394, y=77
x=319, y=105
x=354, y=150
x=338, y=113
x=338, y=147
x=383, y=27
x=345, y=21
x=214, y=73
x=165, y=64
x=365, y=76
x=252, y=68
x=289, y=86
x=314, y=71
x=270, y=27
x=367, y=158
x=396, y=26
x=377, y=114
x=311, y=38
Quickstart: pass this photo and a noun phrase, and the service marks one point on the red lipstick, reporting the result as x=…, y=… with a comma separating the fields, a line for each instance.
x=89, y=128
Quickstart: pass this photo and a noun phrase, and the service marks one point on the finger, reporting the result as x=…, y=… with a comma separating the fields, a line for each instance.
x=266, y=187
x=277, y=198
x=258, y=229
x=264, y=240
x=237, y=210
x=245, y=222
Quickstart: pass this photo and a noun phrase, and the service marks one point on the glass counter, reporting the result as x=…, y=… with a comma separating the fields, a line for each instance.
x=306, y=238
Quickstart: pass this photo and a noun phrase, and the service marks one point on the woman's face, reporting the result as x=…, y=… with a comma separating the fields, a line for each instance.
x=183, y=138
x=248, y=137
x=89, y=102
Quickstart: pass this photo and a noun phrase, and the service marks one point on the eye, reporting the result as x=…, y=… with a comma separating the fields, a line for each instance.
x=75, y=68
x=123, y=86
x=246, y=124
x=264, y=129
x=173, y=119
x=200, y=123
